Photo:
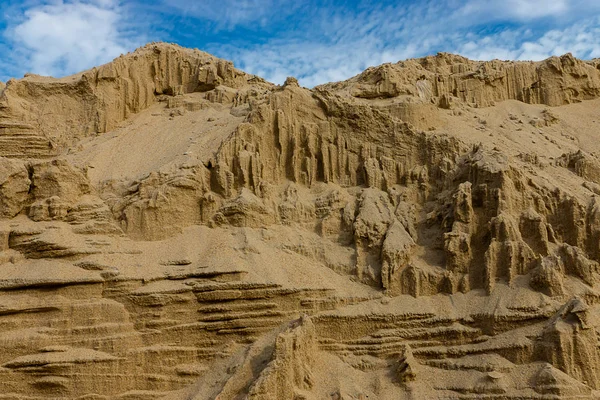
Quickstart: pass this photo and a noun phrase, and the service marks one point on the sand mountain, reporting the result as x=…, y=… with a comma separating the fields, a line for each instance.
x=173, y=227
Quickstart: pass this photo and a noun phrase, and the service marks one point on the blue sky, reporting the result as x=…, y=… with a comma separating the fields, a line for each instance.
x=315, y=41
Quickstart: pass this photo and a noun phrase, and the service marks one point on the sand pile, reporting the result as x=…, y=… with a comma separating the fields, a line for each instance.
x=172, y=227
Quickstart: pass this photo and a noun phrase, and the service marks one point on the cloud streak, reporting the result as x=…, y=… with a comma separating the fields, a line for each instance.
x=351, y=41
x=228, y=14
x=314, y=40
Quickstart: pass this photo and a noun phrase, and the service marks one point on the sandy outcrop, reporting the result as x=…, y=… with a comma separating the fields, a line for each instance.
x=172, y=227
x=290, y=371
x=14, y=189
x=570, y=344
x=96, y=101
x=439, y=79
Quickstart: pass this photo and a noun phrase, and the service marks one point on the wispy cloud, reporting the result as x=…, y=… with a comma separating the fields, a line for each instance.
x=349, y=41
x=520, y=10
x=228, y=14
x=314, y=40
x=64, y=37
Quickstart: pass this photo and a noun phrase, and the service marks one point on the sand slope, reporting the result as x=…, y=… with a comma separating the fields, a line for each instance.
x=172, y=227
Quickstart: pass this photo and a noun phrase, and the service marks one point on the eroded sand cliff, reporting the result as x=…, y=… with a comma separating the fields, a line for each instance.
x=175, y=228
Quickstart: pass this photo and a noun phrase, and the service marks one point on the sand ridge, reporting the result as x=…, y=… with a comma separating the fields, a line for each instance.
x=173, y=227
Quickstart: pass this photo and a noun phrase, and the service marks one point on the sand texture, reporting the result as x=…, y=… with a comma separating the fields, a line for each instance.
x=174, y=228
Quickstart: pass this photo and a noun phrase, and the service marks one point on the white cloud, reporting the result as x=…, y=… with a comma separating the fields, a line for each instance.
x=65, y=37
x=339, y=44
x=309, y=39
x=228, y=14
x=473, y=12
x=580, y=39
x=531, y=9
x=342, y=43
x=521, y=10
